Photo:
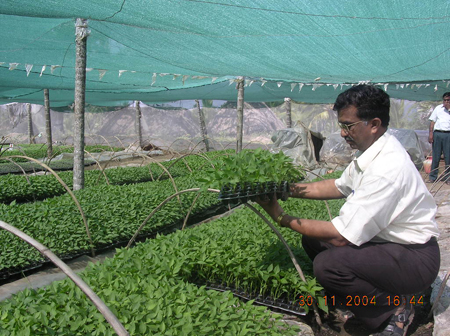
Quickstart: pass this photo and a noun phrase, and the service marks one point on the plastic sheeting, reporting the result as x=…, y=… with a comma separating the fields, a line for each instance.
x=336, y=151
x=297, y=144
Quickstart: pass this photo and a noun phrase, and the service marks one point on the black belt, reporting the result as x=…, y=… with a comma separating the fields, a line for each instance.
x=441, y=131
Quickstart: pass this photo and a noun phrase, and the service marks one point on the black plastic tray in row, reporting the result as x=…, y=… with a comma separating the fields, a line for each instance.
x=244, y=192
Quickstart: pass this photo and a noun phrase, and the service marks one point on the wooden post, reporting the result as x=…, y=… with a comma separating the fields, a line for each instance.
x=81, y=35
x=203, y=130
x=48, y=124
x=138, y=122
x=30, y=125
x=240, y=114
x=287, y=102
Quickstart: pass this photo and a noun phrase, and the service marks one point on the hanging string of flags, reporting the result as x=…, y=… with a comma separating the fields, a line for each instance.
x=247, y=82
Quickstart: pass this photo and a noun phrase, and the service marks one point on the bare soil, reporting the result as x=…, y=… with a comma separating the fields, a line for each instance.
x=335, y=326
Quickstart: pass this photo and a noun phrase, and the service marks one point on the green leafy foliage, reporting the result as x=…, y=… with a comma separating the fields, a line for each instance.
x=113, y=212
x=40, y=151
x=31, y=188
x=252, y=166
x=32, y=167
x=146, y=288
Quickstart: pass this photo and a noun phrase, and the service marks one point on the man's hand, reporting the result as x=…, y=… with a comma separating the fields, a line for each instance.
x=431, y=129
x=271, y=206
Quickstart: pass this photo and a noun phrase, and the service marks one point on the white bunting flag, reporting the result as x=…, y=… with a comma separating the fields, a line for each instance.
x=101, y=73
x=28, y=67
x=53, y=67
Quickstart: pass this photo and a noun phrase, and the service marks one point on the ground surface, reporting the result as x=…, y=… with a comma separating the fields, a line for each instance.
x=334, y=324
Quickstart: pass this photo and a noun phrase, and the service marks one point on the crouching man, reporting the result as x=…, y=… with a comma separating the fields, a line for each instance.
x=382, y=247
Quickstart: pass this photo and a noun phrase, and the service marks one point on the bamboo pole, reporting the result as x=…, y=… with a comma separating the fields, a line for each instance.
x=287, y=102
x=48, y=124
x=138, y=123
x=81, y=35
x=101, y=306
x=240, y=114
x=203, y=130
x=30, y=125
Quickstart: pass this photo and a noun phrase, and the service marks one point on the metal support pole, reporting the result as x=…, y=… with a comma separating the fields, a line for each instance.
x=240, y=114
x=203, y=130
x=48, y=124
x=81, y=35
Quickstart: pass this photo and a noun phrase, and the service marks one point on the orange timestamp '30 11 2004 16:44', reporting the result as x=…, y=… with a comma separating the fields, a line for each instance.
x=362, y=300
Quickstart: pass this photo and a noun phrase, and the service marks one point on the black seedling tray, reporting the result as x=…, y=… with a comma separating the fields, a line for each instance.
x=244, y=192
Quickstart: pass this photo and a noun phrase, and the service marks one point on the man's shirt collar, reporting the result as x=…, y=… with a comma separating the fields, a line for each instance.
x=363, y=159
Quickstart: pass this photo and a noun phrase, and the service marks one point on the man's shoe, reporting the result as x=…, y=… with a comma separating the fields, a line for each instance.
x=399, y=322
x=342, y=315
x=431, y=181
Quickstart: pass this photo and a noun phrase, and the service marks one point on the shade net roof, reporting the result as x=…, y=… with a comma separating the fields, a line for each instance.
x=167, y=50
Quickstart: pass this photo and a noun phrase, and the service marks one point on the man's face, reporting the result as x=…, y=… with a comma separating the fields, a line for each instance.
x=447, y=102
x=356, y=132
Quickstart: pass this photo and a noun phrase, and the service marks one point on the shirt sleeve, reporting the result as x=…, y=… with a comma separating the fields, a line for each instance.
x=343, y=184
x=433, y=116
x=368, y=210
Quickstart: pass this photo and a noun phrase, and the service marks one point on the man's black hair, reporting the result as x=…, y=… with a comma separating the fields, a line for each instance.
x=370, y=101
x=447, y=94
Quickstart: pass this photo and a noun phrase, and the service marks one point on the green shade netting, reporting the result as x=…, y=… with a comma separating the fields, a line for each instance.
x=166, y=50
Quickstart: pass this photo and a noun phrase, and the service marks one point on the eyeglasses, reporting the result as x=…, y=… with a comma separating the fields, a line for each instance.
x=447, y=100
x=347, y=127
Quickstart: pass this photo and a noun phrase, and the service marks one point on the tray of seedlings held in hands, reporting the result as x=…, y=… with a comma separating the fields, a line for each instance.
x=246, y=191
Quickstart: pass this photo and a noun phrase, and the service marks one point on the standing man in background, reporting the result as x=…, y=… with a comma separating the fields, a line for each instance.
x=440, y=139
